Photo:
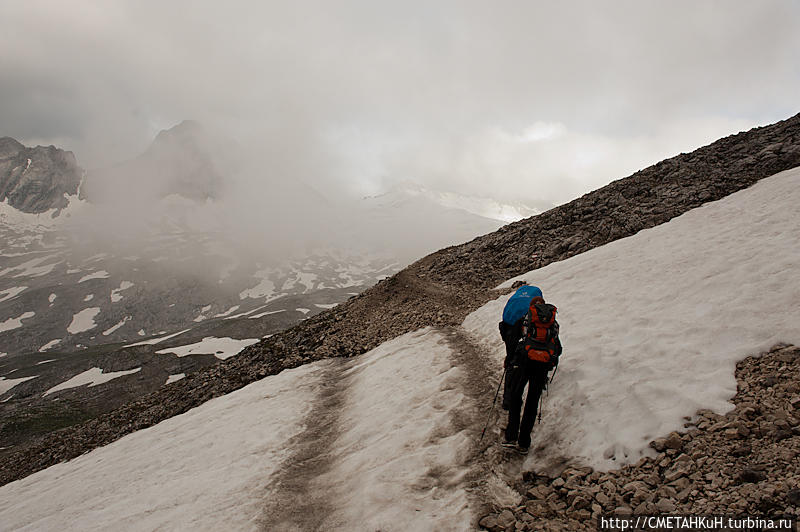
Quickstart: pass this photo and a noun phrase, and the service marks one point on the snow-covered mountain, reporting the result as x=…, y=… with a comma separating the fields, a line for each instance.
x=388, y=440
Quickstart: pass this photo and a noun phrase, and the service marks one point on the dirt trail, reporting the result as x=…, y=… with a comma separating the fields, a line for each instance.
x=292, y=501
x=494, y=471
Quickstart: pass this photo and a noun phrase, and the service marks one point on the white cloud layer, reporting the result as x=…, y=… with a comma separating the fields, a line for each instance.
x=531, y=99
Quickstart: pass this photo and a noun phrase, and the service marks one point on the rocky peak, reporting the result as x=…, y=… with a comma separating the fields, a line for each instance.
x=181, y=160
x=9, y=147
x=35, y=180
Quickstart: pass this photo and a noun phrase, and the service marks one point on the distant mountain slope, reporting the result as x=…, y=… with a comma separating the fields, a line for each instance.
x=647, y=198
x=184, y=160
x=35, y=180
x=444, y=287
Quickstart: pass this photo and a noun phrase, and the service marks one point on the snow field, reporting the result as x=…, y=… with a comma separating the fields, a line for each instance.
x=221, y=348
x=7, y=384
x=102, y=274
x=153, y=341
x=117, y=326
x=653, y=325
x=175, y=377
x=398, y=462
x=11, y=293
x=15, y=323
x=203, y=470
x=32, y=268
x=49, y=345
x=92, y=377
x=262, y=314
x=116, y=295
x=83, y=320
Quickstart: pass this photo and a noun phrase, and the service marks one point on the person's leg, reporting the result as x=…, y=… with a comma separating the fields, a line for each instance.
x=538, y=380
x=507, y=385
x=516, y=386
x=511, y=340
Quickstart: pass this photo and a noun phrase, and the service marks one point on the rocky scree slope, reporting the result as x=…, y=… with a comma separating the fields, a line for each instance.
x=444, y=287
x=34, y=180
x=738, y=464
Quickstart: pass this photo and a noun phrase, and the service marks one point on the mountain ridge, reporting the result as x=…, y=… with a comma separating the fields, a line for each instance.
x=35, y=180
x=443, y=287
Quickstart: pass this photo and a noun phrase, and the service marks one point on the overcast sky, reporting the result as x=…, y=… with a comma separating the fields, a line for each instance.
x=531, y=100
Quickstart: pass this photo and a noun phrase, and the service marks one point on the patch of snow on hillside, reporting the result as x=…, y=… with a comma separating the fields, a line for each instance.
x=202, y=315
x=653, y=324
x=262, y=314
x=102, y=274
x=83, y=320
x=227, y=312
x=325, y=305
x=32, y=268
x=153, y=341
x=89, y=297
x=305, y=279
x=265, y=288
x=11, y=293
x=46, y=361
x=303, y=310
x=221, y=348
x=173, y=378
x=92, y=377
x=124, y=320
x=169, y=476
x=241, y=314
x=7, y=384
x=51, y=298
x=49, y=345
x=115, y=293
x=15, y=323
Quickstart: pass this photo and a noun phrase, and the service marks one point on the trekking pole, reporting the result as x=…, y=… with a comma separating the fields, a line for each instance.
x=541, y=397
x=503, y=378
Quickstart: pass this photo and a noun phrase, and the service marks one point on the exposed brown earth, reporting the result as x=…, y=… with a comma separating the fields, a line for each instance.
x=743, y=463
x=444, y=287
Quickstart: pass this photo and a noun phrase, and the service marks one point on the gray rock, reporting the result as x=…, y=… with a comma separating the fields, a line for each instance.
x=665, y=505
x=506, y=519
x=489, y=522
x=750, y=475
x=674, y=441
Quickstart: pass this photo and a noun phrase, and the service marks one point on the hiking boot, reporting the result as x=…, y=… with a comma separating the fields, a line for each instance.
x=509, y=444
x=522, y=450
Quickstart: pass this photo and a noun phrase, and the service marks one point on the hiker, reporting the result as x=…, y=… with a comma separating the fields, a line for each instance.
x=528, y=361
x=511, y=326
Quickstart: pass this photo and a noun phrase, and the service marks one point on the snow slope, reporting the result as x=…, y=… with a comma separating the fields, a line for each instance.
x=213, y=467
x=652, y=326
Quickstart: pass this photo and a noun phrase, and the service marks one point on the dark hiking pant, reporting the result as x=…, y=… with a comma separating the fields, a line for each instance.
x=534, y=376
x=512, y=335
